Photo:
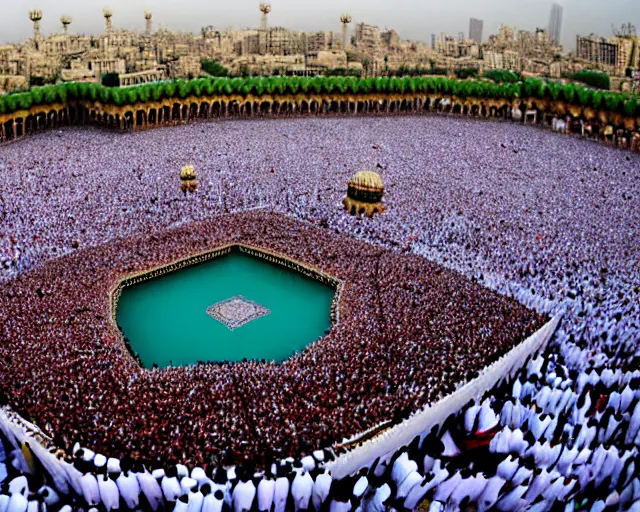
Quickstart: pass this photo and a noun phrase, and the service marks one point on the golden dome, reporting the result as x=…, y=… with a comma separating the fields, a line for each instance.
x=188, y=173
x=364, y=194
x=367, y=180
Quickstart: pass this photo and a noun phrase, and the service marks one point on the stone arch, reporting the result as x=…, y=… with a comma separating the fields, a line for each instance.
x=30, y=124
x=128, y=120
x=18, y=127
x=8, y=129
x=176, y=112
x=52, y=119
x=141, y=118
x=193, y=111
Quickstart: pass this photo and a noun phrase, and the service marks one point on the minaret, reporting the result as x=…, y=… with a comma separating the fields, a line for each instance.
x=147, y=17
x=35, y=15
x=265, y=9
x=345, y=19
x=106, y=12
x=66, y=21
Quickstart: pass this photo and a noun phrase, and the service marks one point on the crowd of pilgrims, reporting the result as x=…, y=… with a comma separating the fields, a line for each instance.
x=409, y=332
x=549, y=220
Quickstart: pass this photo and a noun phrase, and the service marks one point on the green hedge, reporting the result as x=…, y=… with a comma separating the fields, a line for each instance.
x=596, y=79
x=529, y=88
x=503, y=76
x=214, y=68
x=464, y=73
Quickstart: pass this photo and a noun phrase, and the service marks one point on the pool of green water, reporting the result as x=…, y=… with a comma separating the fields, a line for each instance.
x=166, y=321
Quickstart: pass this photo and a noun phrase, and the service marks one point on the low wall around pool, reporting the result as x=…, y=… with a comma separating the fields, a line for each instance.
x=218, y=252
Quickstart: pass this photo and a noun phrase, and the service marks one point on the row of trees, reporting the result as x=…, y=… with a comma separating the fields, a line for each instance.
x=531, y=88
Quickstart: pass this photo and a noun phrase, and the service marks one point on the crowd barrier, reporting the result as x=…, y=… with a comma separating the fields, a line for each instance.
x=421, y=423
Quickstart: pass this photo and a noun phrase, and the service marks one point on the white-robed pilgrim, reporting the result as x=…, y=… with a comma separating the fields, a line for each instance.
x=90, y=489
x=280, y=494
x=301, y=489
x=243, y=495
x=151, y=490
x=109, y=494
x=321, y=488
x=213, y=501
x=266, y=490
x=129, y=489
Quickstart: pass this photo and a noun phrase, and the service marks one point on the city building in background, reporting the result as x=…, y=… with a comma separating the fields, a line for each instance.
x=355, y=48
x=475, y=30
x=618, y=55
x=555, y=23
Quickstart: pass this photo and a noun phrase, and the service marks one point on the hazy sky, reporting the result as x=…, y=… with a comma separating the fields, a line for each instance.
x=413, y=19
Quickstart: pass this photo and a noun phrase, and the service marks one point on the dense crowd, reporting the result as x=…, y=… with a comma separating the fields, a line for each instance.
x=408, y=333
x=549, y=220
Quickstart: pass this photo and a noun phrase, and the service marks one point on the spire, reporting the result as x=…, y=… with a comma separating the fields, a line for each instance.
x=345, y=19
x=265, y=9
x=66, y=21
x=106, y=12
x=147, y=17
x=35, y=15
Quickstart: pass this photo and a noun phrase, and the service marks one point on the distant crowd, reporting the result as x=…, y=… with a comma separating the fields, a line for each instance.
x=551, y=221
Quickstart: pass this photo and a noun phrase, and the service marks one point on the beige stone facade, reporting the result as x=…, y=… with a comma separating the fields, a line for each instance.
x=140, y=57
x=614, y=55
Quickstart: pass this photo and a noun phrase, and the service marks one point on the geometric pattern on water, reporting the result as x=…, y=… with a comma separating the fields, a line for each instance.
x=236, y=311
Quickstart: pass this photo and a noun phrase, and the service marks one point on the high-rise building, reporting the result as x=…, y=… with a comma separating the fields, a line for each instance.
x=475, y=30
x=433, y=41
x=555, y=23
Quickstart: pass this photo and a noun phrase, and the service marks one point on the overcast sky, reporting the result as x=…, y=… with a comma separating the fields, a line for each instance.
x=413, y=19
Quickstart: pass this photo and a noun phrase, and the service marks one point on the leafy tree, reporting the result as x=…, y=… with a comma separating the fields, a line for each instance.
x=464, y=73
x=596, y=79
x=214, y=68
x=503, y=76
x=110, y=79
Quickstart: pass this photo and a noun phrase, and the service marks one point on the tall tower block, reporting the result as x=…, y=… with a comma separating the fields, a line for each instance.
x=555, y=23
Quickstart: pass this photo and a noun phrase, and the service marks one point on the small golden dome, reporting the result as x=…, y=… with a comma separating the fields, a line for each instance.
x=188, y=173
x=364, y=194
x=367, y=180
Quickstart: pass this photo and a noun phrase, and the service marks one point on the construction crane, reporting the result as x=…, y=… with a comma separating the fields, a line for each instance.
x=626, y=30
